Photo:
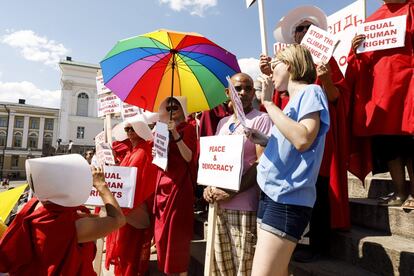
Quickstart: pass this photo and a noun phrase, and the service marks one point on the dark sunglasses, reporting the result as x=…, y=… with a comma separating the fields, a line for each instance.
x=173, y=108
x=301, y=28
x=127, y=129
x=245, y=88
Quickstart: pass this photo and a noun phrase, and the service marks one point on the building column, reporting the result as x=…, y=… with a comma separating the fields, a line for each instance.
x=41, y=133
x=25, y=131
x=10, y=133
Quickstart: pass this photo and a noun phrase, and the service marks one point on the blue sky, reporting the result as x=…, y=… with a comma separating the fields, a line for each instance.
x=34, y=35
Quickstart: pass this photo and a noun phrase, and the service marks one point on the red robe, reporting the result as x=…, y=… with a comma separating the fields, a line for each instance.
x=128, y=248
x=173, y=206
x=44, y=242
x=382, y=86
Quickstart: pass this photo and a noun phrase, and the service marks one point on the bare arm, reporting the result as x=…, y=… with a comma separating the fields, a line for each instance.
x=92, y=228
x=185, y=151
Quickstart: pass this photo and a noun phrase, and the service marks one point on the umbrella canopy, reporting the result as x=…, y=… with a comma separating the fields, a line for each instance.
x=146, y=69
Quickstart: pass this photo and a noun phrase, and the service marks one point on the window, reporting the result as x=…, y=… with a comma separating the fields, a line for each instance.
x=17, y=140
x=82, y=107
x=3, y=137
x=47, y=141
x=49, y=124
x=3, y=121
x=34, y=123
x=32, y=141
x=15, y=161
x=18, y=122
x=80, y=133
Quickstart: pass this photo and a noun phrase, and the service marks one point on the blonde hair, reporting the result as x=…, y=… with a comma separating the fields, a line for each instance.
x=300, y=62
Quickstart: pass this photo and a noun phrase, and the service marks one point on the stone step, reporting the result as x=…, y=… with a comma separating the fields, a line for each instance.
x=371, y=250
x=366, y=212
x=374, y=186
x=326, y=267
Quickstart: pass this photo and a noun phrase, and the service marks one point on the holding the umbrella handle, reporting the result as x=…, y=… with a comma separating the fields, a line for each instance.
x=185, y=151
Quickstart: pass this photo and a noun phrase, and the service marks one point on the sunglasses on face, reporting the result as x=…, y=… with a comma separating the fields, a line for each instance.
x=173, y=108
x=302, y=28
x=127, y=129
x=274, y=63
x=239, y=88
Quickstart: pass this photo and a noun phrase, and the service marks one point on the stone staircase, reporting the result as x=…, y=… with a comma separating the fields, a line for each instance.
x=381, y=241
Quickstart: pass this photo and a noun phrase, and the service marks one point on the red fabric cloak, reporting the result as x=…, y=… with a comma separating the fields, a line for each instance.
x=44, y=242
x=128, y=248
x=173, y=206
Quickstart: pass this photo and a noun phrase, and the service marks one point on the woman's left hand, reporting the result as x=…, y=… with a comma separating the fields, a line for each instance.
x=323, y=72
x=267, y=88
x=172, y=127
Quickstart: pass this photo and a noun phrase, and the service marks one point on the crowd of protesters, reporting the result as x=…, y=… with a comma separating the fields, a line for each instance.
x=305, y=128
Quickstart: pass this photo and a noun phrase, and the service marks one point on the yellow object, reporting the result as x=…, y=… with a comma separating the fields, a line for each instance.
x=8, y=200
x=3, y=228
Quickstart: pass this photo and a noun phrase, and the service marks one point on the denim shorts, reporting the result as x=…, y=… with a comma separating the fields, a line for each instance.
x=284, y=220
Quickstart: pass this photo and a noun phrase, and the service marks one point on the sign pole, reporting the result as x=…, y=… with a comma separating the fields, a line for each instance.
x=262, y=26
x=211, y=232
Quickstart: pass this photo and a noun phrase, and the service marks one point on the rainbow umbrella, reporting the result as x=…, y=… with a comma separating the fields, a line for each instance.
x=146, y=69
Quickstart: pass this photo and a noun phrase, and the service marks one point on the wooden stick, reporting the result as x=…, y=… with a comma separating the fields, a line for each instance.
x=211, y=231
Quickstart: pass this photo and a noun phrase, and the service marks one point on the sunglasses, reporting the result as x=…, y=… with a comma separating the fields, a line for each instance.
x=274, y=63
x=239, y=88
x=127, y=129
x=173, y=108
x=302, y=28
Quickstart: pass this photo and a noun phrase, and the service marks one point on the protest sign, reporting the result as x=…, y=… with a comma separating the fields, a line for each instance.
x=278, y=46
x=121, y=181
x=221, y=161
x=100, y=138
x=104, y=154
x=108, y=104
x=237, y=104
x=343, y=26
x=128, y=111
x=161, y=140
x=383, y=34
x=320, y=43
x=100, y=87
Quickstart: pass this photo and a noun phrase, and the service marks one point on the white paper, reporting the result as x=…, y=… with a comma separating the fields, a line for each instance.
x=161, y=140
x=122, y=182
x=320, y=43
x=383, y=34
x=104, y=154
x=237, y=104
x=108, y=104
x=100, y=86
x=221, y=161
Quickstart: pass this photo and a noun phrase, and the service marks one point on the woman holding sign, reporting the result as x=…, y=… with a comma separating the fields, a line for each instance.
x=54, y=234
x=288, y=169
x=174, y=197
x=128, y=248
x=383, y=91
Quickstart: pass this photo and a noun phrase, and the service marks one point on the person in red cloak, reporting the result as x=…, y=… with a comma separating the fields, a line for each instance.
x=128, y=248
x=331, y=210
x=383, y=104
x=174, y=198
x=53, y=234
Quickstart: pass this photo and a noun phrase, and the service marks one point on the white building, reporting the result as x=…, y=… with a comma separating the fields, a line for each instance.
x=78, y=106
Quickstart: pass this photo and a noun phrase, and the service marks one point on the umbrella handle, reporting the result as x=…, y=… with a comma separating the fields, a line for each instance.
x=173, y=52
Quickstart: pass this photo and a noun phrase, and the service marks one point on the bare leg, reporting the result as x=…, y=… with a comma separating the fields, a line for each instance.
x=272, y=254
x=397, y=172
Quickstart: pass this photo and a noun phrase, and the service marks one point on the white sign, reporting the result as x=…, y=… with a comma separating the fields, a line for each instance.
x=221, y=161
x=100, y=138
x=108, y=104
x=343, y=25
x=278, y=46
x=237, y=104
x=128, y=111
x=161, y=140
x=320, y=43
x=383, y=34
x=104, y=154
x=100, y=87
x=122, y=182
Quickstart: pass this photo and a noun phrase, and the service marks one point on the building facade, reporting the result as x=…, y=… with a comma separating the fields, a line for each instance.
x=26, y=131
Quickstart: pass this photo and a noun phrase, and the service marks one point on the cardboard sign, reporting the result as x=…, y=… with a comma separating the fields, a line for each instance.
x=122, y=182
x=100, y=87
x=128, y=111
x=108, y=104
x=343, y=26
x=383, y=34
x=237, y=104
x=104, y=154
x=278, y=46
x=320, y=43
x=221, y=161
x=161, y=140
